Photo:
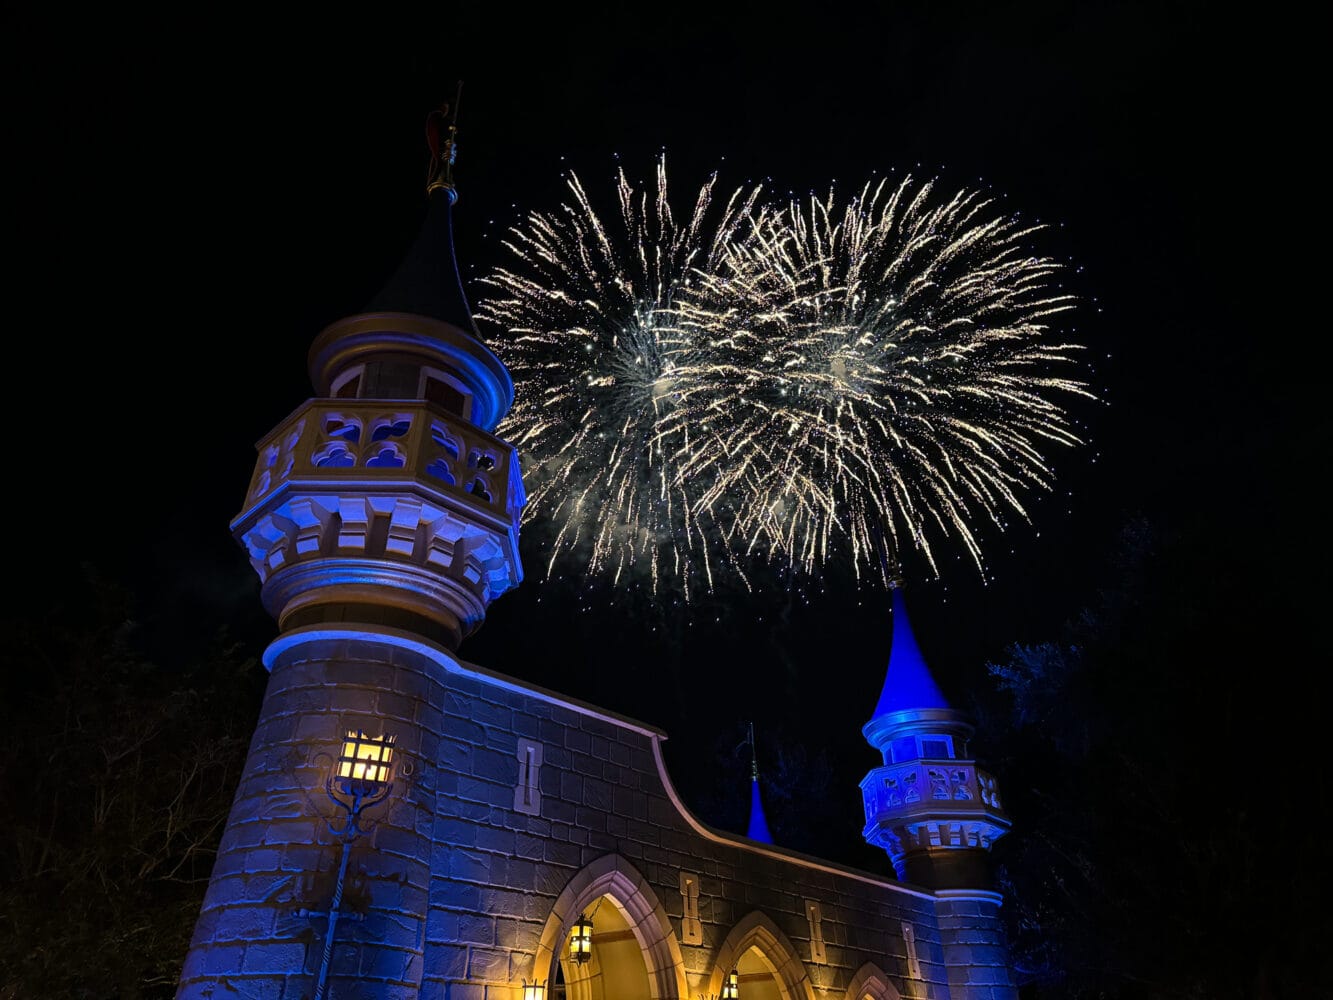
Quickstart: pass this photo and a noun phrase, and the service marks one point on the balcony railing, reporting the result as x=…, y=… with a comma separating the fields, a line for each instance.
x=911, y=787
x=342, y=441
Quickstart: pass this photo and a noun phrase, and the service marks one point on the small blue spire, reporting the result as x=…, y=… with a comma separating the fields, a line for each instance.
x=908, y=683
x=758, y=825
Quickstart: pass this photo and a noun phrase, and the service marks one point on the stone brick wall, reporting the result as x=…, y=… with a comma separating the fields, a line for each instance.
x=460, y=895
x=975, y=953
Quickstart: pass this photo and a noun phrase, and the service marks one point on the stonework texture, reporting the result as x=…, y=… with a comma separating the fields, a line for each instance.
x=455, y=893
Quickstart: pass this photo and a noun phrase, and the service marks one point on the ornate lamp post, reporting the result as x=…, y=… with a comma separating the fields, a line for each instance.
x=362, y=776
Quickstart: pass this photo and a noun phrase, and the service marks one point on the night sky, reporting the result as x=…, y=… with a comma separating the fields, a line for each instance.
x=206, y=197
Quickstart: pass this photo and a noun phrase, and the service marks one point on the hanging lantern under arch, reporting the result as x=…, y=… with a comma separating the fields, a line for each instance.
x=731, y=988
x=580, y=940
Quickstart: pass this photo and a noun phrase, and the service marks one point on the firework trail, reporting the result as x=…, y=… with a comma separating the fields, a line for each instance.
x=590, y=334
x=788, y=383
x=877, y=376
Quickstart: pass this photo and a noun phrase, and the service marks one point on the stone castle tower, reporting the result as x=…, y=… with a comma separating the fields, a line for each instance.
x=410, y=825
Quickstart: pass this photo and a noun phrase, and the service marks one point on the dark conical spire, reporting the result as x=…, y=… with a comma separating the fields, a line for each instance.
x=908, y=683
x=427, y=282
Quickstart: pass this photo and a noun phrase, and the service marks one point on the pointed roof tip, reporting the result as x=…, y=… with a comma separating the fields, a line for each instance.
x=427, y=282
x=908, y=683
x=758, y=829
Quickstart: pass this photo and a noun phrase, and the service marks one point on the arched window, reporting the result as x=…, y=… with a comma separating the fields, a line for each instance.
x=348, y=384
x=445, y=391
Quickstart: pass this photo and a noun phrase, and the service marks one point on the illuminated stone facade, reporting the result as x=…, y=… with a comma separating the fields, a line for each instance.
x=382, y=518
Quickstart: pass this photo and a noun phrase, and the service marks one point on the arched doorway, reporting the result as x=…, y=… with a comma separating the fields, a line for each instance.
x=765, y=961
x=635, y=955
x=870, y=983
x=758, y=977
x=615, y=970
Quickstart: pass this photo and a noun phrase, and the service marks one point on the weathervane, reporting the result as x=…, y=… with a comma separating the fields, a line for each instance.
x=893, y=578
x=442, y=138
x=754, y=755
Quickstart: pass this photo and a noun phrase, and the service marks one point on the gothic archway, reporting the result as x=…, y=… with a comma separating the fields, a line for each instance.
x=870, y=983
x=765, y=959
x=639, y=941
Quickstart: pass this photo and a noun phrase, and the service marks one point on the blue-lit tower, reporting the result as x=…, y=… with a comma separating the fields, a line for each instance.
x=382, y=519
x=937, y=814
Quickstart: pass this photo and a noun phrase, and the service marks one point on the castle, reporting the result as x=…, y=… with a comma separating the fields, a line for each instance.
x=411, y=825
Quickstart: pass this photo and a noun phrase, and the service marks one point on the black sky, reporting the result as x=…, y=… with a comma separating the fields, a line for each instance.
x=198, y=197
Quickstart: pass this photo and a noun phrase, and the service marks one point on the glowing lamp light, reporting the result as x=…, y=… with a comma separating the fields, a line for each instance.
x=580, y=940
x=534, y=991
x=365, y=764
x=731, y=989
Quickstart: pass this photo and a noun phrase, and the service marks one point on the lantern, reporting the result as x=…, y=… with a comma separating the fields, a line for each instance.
x=365, y=764
x=731, y=989
x=580, y=940
x=534, y=990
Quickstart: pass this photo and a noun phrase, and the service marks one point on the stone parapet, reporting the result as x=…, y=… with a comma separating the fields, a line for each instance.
x=394, y=503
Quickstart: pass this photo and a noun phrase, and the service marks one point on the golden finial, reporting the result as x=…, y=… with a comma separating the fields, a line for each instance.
x=441, y=137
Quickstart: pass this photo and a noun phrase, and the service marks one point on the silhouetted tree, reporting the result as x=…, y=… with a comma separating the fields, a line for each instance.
x=1157, y=841
x=117, y=775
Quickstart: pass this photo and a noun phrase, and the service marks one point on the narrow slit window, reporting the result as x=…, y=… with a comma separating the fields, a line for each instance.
x=527, y=793
x=813, y=914
x=691, y=930
x=909, y=937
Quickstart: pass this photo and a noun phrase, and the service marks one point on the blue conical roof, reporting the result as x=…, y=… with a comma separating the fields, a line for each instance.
x=758, y=825
x=907, y=684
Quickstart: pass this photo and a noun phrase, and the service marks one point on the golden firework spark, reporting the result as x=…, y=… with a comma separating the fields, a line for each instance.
x=887, y=372
x=800, y=382
x=591, y=336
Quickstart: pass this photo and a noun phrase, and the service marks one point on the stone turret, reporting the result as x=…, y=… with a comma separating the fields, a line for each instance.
x=937, y=814
x=382, y=518
x=386, y=498
x=929, y=805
